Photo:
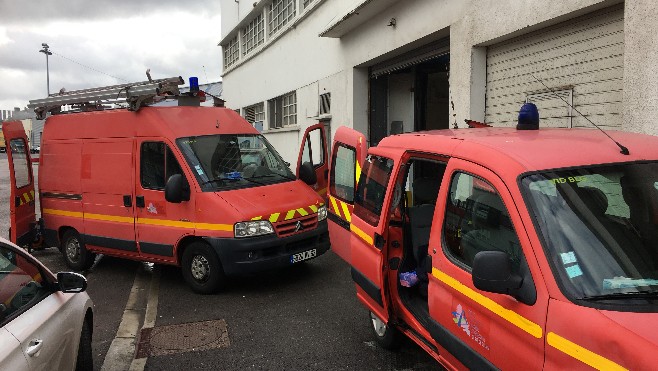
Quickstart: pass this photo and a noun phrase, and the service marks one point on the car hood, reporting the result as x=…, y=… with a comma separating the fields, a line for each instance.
x=644, y=325
x=275, y=202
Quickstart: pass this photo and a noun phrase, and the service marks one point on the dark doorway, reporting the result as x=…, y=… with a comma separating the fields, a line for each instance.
x=414, y=98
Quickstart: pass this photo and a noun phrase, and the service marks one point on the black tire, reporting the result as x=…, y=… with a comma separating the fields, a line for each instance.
x=85, y=361
x=386, y=336
x=202, y=269
x=76, y=255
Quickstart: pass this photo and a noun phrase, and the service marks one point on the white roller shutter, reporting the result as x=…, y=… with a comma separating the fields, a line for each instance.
x=581, y=59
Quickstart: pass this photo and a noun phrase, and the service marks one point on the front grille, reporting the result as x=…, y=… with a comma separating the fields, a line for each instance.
x=289, y=227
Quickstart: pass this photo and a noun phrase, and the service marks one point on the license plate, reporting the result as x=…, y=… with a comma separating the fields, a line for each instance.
x=305, y=255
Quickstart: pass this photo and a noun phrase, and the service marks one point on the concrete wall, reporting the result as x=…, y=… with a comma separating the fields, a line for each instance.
x=298, y=59
x=640, y=102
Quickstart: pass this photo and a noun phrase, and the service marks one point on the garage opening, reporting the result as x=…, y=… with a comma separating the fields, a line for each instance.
x=410, y=92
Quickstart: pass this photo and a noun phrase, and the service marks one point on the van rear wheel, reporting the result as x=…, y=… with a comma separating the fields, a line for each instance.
x=202, y=269
x=387, y=337
x=76, y=255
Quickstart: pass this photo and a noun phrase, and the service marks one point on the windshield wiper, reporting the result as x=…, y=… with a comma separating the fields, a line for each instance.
x=277, y=174
x=214, y=180
x=623, y=295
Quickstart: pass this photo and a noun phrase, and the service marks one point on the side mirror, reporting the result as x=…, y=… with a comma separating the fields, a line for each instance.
x=71, y=282
x=177, y=190
x=307, y=173
x=492, y=272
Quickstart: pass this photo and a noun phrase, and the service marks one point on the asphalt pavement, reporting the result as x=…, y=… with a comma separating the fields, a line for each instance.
x=306, y=317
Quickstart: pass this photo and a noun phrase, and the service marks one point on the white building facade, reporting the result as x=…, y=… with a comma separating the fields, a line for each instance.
x=390, y=66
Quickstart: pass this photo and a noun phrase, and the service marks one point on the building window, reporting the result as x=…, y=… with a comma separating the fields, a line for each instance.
x=280, y=13
x=231, y=53
x=253, y=35
x=283, y=110
x=325, y=104
x=306, y=3
x=255, y=113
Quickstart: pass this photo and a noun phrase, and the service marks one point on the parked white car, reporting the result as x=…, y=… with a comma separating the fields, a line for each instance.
x=46, y=320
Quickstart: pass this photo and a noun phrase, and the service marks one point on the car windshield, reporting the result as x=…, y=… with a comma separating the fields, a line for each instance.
x=599, y=227
x=233, y=161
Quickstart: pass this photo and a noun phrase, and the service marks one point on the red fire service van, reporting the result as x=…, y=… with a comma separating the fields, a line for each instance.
x=499, y=248
x=192, y=186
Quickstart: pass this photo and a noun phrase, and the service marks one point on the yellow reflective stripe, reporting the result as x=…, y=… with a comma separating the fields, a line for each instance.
x=257, y=218
x=584, y=355
x=214, y=227
x=335, y=205
x=143, y=221
x=302, y=211
x=313, y=208
x=164, y=223
x=346, y=212
x=322, y=191
x=357, y=172
x=274, y=217
x=109, y=218
x=73, y=214
x=363, y=235
x=508, y=315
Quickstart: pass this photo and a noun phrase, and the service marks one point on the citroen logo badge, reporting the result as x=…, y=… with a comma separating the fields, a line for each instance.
x=298, y=226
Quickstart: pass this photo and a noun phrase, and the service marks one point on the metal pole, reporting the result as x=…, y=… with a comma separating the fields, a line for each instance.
x=47, y=52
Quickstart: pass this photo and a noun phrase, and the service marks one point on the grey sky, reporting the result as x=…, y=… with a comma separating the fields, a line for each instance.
x=117, y=37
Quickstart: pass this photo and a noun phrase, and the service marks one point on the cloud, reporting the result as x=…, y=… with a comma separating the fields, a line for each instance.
x=37, y=11
x=109, y=43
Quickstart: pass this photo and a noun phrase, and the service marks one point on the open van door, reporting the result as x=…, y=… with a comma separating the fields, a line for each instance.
x=22, y=204
x=337, y=179
x=314, y=150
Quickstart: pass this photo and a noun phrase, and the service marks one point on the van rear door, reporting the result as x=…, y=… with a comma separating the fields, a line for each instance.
x=22, y=212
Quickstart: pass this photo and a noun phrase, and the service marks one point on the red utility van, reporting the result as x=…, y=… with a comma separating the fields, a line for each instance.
x=196, y=187
x=497, y=248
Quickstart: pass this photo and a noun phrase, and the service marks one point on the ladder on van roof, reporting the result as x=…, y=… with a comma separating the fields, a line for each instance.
x=135, y=95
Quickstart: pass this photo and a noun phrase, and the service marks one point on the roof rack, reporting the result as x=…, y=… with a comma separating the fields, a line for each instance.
x=135, y=95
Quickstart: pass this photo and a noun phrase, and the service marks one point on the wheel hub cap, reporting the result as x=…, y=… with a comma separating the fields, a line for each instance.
x=200, y=268
x=73, y=250
x=378, y=325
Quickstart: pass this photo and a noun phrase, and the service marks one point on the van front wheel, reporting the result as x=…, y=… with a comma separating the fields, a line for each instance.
x=76, y=255
x=202, y=269
x=387, y=337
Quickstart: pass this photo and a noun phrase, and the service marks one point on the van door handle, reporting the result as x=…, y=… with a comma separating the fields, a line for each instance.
x=34, y=347
x=139, y=201
x=127, y=201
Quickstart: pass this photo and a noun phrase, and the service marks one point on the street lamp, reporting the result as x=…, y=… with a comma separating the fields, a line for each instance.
x=47, y=52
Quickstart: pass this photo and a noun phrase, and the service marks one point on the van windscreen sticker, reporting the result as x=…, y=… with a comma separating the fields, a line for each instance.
x=568, y=257
x=198, y=169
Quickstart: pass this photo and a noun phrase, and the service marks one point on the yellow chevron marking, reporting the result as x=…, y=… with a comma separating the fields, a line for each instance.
x=346, y=212
x=274, y=217
x=335, y=205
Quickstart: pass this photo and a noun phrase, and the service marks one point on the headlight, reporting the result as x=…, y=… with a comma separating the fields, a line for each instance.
x=322, y=213
x=253, y=228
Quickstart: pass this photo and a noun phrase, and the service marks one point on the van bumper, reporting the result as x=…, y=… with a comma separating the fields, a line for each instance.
x=256, y=254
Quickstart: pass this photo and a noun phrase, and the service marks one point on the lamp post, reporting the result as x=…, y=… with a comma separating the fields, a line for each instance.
x=47, y=52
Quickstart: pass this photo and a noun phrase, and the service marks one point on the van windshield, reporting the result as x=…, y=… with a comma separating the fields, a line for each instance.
x=599, y=228
x=233, y=161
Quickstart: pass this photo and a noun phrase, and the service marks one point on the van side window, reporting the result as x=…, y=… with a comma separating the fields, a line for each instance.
x=21, y=165
x=369, y=199
x=157, y=164
x=314, y=148
x=343, y=174
x=477, y=220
